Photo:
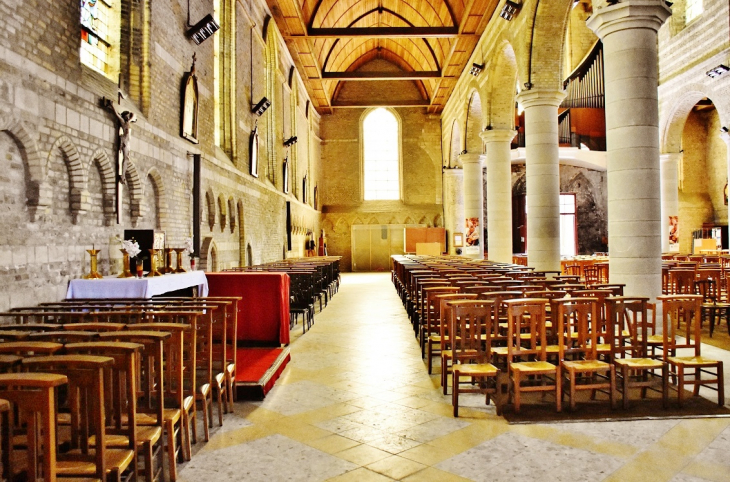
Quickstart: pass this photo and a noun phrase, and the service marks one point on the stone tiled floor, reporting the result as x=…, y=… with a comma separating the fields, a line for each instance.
x=356, y=404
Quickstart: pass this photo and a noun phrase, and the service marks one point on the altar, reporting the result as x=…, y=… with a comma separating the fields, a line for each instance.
x=113, y=287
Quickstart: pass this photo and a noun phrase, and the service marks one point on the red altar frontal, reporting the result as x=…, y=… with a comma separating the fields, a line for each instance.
x=263, y=327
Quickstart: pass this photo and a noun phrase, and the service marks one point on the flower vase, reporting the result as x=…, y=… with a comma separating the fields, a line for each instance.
x=126, y=273
x=180, y=252
x=153, y=264
x=93, y=272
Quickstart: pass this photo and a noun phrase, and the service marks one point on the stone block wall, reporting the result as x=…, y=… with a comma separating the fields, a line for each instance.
x=58, y=147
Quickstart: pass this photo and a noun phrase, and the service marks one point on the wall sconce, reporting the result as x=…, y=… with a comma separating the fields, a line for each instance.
x=261, y=107
x=292, y=140
x=717, y=71
x=476, y=69
x=509, y=10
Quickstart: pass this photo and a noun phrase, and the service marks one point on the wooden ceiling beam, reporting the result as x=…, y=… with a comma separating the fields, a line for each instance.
x=384, y=32
x=360, y=105
x=360, y=75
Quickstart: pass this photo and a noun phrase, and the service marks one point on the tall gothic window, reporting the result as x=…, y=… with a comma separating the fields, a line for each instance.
x=100, y=36
x=224, y=71
x=381, y=155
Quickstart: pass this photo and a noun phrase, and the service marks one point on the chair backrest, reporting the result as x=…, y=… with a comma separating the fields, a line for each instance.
x=470, y=324
x=547, y=294
x=526, y=335
x=578, y=329
x=592, y=275
x=444, y=310
x=707, y=288
x=629, y=318
x=676, y=311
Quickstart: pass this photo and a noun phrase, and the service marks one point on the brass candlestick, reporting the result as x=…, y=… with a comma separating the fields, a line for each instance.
x=180, y=252
x=153, y=264
x=93, y=274
x=126, y=273
x=167, y=256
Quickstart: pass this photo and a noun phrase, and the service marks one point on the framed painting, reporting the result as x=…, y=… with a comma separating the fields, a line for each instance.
x=254, y=152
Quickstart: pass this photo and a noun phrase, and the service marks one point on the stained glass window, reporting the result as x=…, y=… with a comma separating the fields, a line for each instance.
x=97, y=22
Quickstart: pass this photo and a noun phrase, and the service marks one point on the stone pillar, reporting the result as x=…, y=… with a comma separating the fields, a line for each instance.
x=499, y=194
x=725, y=136
x=629, y=34
x=542, y=176
x=670, y=197
x=453, y=204
x=473, y=223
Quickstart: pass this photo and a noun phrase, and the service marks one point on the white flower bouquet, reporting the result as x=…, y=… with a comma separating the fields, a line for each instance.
x=131, y=247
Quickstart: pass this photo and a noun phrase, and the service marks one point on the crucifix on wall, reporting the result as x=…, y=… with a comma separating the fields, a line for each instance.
x=125, y=120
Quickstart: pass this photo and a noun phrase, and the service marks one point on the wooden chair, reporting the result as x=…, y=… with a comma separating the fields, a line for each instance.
x=634, y=368
x=578, y=329
x=179, y=395
x=616, y=289
x=64, y=336
x=442, y=337
x=527, y=363
x=36, y=394
x=470, y=325
x=592, y=275
x=429, y=312
x=150, y=393
x=712, y=308
x=30, y=348
x=681, y=281
x=120, y=383
x=690, y=367
x=88, y=455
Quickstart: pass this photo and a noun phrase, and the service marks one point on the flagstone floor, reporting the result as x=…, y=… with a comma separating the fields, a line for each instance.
x=357, y=404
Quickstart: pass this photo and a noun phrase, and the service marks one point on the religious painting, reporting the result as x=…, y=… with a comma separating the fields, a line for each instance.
x=253, y=147
x=674, y=233
x=189, y=128
x=285, y=184
x=472, y=232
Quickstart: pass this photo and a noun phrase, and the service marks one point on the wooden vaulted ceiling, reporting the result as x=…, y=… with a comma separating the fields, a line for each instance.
x=430, y=41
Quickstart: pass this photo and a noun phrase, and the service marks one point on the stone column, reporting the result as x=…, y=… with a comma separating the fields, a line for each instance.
x=725, y=136
x=473, y=223
x=499, y=194
x=453, y=204
x=629, y=34
x=670, y=196
x=543, y=177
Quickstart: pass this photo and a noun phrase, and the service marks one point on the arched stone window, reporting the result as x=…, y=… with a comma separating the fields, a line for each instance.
x=381, y=155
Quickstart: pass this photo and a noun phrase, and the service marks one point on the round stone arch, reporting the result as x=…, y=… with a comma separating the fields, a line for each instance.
x=501, y=99
x=38, y=193
x=77, y=175
x=672, y=123
x=101, y=161
x=474, y=122
x=160, y=196
x=209, y=255
x=547, y=24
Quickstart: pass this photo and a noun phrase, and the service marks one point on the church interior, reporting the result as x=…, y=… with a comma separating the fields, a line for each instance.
x=550, y=140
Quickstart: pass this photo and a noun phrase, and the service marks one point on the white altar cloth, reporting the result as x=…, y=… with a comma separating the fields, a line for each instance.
x=113, y=287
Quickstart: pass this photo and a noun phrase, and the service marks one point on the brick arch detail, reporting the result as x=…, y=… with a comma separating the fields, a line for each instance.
x=550, y=20
x=501, y=99
x=474, y=120
x=38, y=194
x=134, y=184
x=209, y=252
x=77, y=175
x=108, y=178
x=161, y=195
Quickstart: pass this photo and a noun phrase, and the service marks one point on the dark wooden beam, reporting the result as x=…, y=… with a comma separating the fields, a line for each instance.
x=384, y=32
x=360, y=75
x=360, y=105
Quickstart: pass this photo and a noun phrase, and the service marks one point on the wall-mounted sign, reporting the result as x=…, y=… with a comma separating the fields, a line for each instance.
x=203, y=29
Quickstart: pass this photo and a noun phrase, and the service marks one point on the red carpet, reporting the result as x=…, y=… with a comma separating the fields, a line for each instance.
x=257, y=369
